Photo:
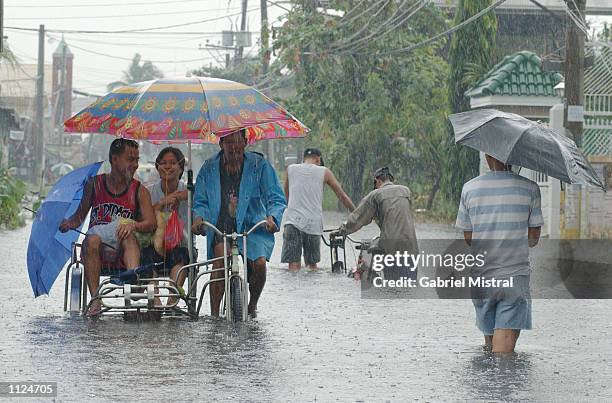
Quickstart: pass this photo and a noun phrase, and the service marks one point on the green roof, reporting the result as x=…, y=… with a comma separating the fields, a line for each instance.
x=519, y=74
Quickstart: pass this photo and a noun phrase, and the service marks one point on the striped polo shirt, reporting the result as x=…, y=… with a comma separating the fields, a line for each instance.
x=498, y=207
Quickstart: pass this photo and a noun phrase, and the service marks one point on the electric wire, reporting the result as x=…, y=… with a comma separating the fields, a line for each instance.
x=350, y=44
x=376, y=36
x=80, y=5
x=115, y=16
x=457, y=27
x=136, y=29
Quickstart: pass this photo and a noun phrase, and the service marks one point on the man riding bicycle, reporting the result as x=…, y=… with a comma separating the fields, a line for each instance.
x=235, y=190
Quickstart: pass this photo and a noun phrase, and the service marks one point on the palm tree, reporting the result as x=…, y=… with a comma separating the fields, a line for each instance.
x=7, y=56
x=137, y=72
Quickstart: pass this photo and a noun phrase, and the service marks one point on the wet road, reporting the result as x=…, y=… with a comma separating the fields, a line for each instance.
x=315, y=339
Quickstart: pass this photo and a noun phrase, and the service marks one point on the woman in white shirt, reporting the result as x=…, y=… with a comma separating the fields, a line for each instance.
x=168, y=194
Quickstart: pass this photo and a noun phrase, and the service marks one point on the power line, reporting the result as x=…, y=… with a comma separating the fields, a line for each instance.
x=89, y=17
x=447, y=32
x=130, y=59
x=149, y=35
x=150, y=3
x=142, y=30
x=148, y=45
x=396, y=20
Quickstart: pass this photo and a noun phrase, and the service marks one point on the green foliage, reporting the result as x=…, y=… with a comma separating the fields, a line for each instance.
x=12, y=191
x=606, y=33
x=472, y=53
x=245, y=72
x=7, y=56
x=137, y=72
x=369, y=107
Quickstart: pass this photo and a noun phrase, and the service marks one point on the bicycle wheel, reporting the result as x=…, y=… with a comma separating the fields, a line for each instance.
x=236, y=298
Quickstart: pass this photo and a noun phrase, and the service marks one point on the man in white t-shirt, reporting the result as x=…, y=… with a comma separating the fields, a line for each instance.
x=304, y=214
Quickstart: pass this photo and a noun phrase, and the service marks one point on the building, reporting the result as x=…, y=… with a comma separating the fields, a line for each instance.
x=537, y=26
x=519, y=84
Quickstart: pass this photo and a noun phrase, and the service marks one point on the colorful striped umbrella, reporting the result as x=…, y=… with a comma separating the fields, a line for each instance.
x=197, y=109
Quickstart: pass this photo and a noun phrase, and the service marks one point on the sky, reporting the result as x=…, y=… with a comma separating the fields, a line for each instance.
x=101, y=58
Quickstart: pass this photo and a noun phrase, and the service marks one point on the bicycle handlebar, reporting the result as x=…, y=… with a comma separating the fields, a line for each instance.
x=209, y=225
x=253, y=228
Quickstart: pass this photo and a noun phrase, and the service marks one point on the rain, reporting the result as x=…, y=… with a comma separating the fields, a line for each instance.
x=404, y=107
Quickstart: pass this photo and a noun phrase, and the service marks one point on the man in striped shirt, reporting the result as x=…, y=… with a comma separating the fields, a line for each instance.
x=501, y=218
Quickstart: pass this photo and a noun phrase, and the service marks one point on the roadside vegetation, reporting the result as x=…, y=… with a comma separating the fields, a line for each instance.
x=12, y=192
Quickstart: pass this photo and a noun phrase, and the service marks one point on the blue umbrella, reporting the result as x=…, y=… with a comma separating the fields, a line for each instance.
x=48, y=248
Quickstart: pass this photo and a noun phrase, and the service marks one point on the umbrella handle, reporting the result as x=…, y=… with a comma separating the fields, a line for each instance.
x=73, y=229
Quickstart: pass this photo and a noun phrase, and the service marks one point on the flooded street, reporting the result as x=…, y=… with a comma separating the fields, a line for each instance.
x=315, y=339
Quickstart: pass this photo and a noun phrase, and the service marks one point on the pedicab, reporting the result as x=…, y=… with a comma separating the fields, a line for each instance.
x=171, y=110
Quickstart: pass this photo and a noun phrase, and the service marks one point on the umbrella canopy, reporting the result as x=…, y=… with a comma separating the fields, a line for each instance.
x=200, y=109
x=48, y=248
x=61, y=169
x=515, y=140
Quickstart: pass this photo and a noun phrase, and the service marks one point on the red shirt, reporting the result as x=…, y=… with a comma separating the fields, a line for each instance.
x=105, y=204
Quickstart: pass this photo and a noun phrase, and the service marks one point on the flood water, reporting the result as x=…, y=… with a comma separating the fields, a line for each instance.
x=315, y=339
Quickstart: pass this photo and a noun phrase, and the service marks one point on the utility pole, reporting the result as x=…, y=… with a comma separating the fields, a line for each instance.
x=242, y=28
x=60, y=96
x=1, y=26
x=574, y=70
x=265, y=37
x=39, y=133
x=265, y=63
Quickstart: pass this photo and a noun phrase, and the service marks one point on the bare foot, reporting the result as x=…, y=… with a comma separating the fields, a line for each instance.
x=95, y=308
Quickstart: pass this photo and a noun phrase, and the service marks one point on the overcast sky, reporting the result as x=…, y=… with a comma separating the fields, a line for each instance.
x=174, y=54
x=101, y=58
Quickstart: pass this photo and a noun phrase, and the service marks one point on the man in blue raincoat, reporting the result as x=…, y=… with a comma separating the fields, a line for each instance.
x=234, y=191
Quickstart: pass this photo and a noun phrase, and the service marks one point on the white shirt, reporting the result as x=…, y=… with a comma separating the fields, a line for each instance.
x=305, y=205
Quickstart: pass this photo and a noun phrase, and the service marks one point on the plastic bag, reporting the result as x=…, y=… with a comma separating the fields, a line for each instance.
x=174, y=231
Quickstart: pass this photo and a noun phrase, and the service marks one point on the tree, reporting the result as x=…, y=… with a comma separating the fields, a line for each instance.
x=137, y=72
x=606, y=33
x=245, y=72
x=368, y=104
x=7, y=56
x=472, y=52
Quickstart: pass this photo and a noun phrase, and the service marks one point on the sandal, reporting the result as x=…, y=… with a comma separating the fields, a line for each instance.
x=94, y=310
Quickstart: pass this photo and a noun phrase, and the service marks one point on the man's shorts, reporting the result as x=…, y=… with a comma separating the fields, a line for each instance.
x=294, y=241
x=503, y=308
x=111, y=258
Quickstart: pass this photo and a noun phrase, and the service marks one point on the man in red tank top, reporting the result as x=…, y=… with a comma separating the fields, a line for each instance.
x=111, y=243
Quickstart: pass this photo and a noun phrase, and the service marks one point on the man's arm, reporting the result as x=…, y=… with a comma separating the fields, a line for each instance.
x=333, y=183
x=287, y=184
x=200, y=202
x=536, y=220
x=464, y=221
x=362, y=215
x=467, y=235
x=275, y=201
x=148, y=222
x=534, y=236
x=79, y=215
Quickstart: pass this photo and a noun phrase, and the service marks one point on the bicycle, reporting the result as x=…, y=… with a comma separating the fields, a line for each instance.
x=236, y=297
x=363, y=270
x=336, y=241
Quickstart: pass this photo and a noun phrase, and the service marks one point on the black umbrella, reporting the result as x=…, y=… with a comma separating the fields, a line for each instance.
x=515, y=140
